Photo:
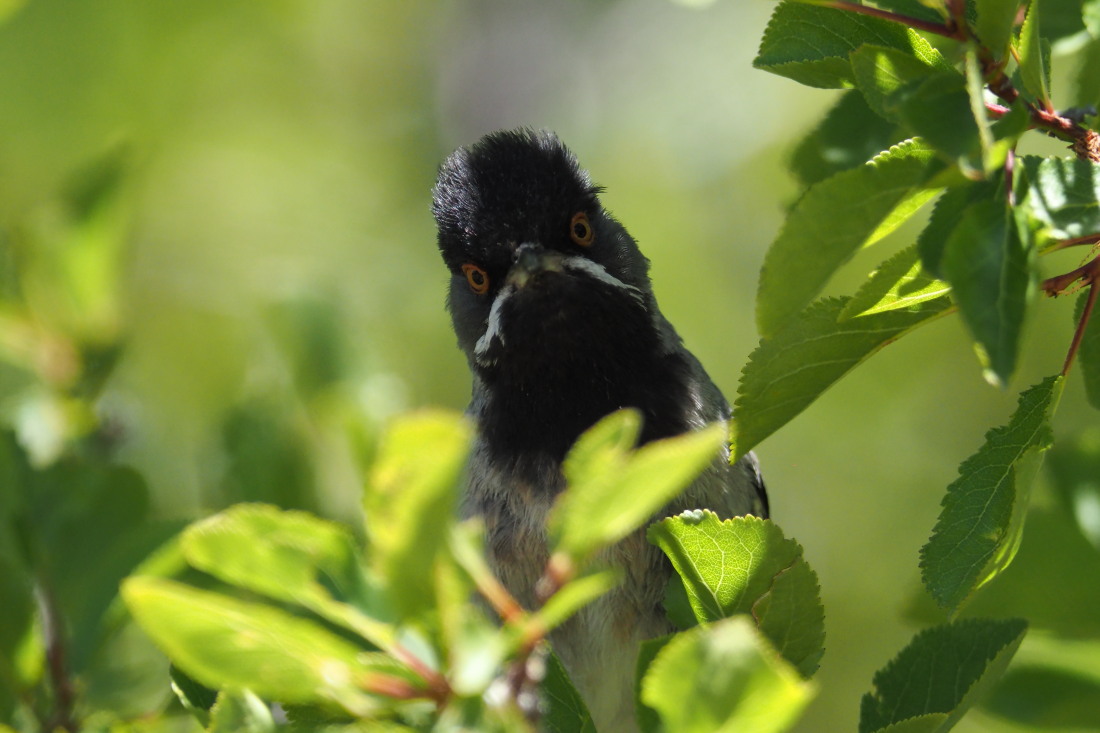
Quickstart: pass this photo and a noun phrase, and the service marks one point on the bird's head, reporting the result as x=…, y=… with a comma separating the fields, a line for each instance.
x=538, y=267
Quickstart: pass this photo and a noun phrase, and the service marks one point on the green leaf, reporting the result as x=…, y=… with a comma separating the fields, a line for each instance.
x=1034, y=60
x=287, y=555
x=849, y=135
x=612, y=490
x=195, y=697
x=290, y=556
x=899, y=283
x=574, y=595
x=723, y=678
x=811, y=44
x=788, y=372
x=745, y=565
x=946, y=215
x=409, y=503
x=940, y=672
x=979, y=527
x=993, y=282
x=881, y=72
x=833, y=220
x=997, y=138
x=1091, y=17
x=1088, y=353
x=1055, y=561
x=994, y=23
x=240, y=711
x=231, y=644
x=1062, y=194
x=566, y=711
x=938, y=109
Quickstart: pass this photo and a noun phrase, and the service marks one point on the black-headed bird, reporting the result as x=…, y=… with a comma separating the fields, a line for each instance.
x=552, y=304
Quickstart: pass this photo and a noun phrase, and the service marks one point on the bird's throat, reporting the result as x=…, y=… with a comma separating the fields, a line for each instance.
x=561, y=370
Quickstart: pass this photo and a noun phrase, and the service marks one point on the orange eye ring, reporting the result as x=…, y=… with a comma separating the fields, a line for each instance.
x=477, y=278
x=580, y=229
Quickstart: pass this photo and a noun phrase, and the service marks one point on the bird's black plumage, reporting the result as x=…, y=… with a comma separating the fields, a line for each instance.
x=551, y=303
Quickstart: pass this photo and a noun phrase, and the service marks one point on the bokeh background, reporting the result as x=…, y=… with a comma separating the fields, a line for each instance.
x=219, y=262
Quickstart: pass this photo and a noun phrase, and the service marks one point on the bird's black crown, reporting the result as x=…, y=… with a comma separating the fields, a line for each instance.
x=510, y=186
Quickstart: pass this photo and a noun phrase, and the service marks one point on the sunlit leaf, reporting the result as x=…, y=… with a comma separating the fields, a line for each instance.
x=231, y=644
x=613, y=490
x=881, y=72
x=833, y=220
x=788, y=372
x=241, y=712
x=290, y=556
x=939, y=675
x=811, y=44
x=723, y=678
x=981, y=522
x=410, y=500
x=899, y=282
x=746, y=565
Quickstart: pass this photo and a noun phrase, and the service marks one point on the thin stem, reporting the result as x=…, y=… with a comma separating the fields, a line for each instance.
x=939, y=29
x=394, y=687
x=1089, y=272
x=1090, y=239
x=1085, y=142
x=57, y=663
x=1079, y=333
x=438, y=687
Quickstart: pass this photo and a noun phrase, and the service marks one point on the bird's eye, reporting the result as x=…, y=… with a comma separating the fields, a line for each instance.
x=477, y=278
x=580, y=229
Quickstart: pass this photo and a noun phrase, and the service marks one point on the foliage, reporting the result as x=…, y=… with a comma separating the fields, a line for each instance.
x=300, y=615
x=275, y=617
x=950, y=115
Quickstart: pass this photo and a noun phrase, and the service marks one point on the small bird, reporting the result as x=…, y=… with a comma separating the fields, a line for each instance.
x=552, y=305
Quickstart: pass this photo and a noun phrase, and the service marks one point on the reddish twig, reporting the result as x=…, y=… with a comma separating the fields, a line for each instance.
x=1089, y=274
x=1082, y=324
x=939, y=29
x=1089, y=239
x=438, y=688
x=1085, y=143
x=396, y=688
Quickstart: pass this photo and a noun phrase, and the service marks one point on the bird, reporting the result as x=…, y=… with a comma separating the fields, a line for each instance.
x=552, y=305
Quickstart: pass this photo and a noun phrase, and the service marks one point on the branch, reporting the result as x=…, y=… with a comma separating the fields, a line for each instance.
x=1079, y=333
x=1085, y=142
x=57, y=663
x=939, y=29
x=1089, y=273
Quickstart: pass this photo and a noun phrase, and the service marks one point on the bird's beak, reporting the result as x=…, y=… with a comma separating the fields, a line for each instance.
x=530, y=260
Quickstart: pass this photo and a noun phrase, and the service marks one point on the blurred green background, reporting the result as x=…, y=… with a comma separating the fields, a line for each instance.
x=219, y=265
